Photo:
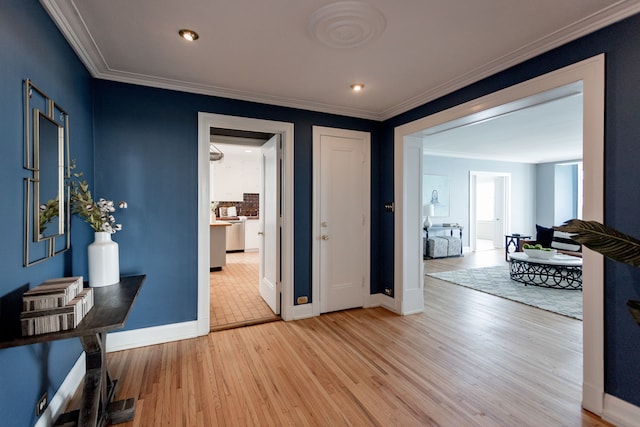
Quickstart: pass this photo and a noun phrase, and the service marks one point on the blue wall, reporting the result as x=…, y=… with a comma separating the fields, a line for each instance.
x=556, y=193
x=146, y=143
x=565, y=193
x=622, y=193
x=545, y=203
x=32, y=47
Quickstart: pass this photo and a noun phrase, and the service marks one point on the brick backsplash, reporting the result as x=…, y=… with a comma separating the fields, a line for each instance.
x=250, y=206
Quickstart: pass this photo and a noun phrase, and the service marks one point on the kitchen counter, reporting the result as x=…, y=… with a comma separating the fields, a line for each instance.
x=218, y=245
x=235, y=218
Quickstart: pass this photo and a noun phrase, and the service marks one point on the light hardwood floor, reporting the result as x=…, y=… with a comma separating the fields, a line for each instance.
x=235, y=299
x=471, y=359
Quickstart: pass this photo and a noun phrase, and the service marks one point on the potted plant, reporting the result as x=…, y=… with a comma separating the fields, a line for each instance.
x=103, y=253
x=610, y=243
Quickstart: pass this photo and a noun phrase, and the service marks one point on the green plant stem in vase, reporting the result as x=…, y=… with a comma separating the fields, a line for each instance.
x=610, y=243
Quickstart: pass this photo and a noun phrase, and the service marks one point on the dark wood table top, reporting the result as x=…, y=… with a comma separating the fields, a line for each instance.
x=111, y=307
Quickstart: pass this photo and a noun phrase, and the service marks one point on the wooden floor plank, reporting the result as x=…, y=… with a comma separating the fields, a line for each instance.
x=235, y=299
x=471, y=359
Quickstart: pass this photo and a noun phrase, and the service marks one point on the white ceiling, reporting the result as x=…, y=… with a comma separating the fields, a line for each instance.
x=544, y=128
x=407, y=52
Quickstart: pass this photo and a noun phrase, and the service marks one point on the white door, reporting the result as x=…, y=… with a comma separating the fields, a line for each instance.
x=341, y=196
x=270, y=224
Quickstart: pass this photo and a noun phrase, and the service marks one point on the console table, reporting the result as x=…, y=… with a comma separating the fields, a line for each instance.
x=111, y=307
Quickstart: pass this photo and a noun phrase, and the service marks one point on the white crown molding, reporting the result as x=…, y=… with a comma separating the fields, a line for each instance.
x=200, y=89
x=67, y=18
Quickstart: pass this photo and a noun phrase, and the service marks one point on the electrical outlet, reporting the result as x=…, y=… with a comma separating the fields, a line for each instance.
x=42, y=404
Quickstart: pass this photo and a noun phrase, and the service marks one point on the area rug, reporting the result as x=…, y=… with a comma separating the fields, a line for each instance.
x=496, y=281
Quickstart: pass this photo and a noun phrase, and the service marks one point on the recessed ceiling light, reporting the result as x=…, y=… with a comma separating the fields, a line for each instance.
x=188, y=35
x=357, y=87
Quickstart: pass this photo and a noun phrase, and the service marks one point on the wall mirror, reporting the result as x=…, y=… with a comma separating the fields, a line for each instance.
x=46, y=190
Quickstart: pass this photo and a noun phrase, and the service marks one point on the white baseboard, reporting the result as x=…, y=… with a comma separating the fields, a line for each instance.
x=64, y=394
x=592, y=398
x=620, y=412
x=126, y=340
x=385, y=301
x=302, y=311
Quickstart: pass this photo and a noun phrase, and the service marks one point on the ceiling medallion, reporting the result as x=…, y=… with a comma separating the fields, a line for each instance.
x=346, y=24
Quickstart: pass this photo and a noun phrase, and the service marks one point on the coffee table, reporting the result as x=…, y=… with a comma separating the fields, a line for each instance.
x=559, y=272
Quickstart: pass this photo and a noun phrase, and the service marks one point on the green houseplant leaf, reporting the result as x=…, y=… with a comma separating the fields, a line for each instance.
x=610, y=243
x=605, y=240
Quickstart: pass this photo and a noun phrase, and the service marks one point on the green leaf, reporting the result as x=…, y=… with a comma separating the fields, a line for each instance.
x=605, y=240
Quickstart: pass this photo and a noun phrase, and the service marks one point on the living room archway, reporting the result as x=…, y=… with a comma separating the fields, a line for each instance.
x=408, y=268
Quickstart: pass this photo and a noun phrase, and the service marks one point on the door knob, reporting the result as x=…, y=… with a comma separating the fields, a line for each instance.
x=324, y=237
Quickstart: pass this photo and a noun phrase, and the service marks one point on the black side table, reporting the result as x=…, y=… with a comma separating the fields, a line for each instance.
x=512, y=241
x=111, y=308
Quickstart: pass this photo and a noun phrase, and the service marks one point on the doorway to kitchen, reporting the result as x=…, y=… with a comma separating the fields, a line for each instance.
x=244, y=196
x=229, y=291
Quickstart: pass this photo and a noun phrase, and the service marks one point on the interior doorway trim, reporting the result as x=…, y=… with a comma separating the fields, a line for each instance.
x=205, y=122
x=406, y=236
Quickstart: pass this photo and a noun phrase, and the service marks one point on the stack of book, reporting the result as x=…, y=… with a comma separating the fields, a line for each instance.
x=55, y=305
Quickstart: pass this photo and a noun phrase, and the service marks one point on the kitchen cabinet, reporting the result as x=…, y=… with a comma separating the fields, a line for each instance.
x=251, y=237
x=218, y=245
x=237, y=174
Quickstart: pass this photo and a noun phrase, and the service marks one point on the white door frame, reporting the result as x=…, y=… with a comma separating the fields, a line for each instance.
x=205, y=122
x=366, y=245
x=506, y=221
x=407, y=258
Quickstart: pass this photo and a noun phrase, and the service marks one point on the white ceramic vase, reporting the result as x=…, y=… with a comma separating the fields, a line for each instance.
x=104, y=262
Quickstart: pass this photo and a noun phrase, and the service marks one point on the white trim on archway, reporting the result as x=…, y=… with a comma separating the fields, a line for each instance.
x=408, y=278
x=205, y=122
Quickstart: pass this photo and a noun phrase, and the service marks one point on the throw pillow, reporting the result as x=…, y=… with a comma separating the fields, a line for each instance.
x=544, y=235
x=562, y=240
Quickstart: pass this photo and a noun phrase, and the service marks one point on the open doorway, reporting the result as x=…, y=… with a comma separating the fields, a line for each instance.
x=285, y=214
x=489, y=209
x=408, y=268
x=244, y=198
